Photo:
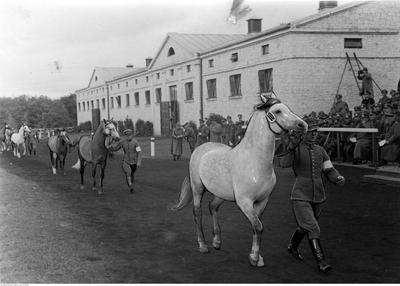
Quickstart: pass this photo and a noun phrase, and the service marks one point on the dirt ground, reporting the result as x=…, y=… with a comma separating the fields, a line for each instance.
x=53, y=232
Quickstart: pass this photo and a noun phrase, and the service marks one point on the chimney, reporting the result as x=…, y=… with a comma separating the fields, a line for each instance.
x=323, y=5
x=148, y=61
x=129, y=66
x=254, y=25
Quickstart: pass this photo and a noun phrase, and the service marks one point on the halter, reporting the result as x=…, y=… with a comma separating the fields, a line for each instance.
x=271, y=119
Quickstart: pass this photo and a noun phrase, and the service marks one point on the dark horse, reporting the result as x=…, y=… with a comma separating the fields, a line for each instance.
x=58, y=147
x=94, y=151
x=31, y=141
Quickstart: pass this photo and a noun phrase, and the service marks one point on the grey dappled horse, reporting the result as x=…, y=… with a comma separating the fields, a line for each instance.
x=58, y=148
x=94, y=151
x=243, y=174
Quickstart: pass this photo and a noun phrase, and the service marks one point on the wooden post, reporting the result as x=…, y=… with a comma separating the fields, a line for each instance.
x=338, y=145
x=374, y=151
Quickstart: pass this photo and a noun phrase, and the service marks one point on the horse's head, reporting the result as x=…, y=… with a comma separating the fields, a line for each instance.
x=110, y=130
x=64, y=137
x=279, y=117
x=25, y=128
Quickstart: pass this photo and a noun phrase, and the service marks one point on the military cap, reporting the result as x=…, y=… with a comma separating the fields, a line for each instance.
x=128, y=131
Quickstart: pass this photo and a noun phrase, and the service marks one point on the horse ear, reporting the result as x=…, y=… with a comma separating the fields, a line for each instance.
x=263, y=97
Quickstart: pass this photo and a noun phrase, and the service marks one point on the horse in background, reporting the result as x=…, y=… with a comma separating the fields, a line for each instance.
x=93, y=150
x=31, y=141
x=58, y=148
x=18, y=139
x=5, y=139
x=243, y=174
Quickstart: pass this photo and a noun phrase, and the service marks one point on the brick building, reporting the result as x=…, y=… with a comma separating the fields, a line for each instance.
x=193, y=75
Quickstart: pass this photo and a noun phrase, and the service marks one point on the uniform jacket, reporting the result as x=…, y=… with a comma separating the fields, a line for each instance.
x=131, y=149
x=202, y=136
x=309, y=163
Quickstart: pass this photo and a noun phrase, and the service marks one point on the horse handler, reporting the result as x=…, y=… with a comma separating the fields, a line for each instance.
x=132, y=156
x=309, y=161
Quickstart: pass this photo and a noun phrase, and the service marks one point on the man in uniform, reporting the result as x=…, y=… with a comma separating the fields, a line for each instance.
x=390, y=151
x=309, y=161
x=132, y=156
x=204, y=132
x=230, y=132
x=339, y=106
x=240, y=129
x=190, y=135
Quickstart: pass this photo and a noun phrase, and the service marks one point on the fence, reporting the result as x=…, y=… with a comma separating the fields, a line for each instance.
x=338, y=130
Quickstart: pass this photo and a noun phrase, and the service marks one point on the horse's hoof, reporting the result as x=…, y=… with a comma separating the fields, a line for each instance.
x=253, y=260
x=216, y=244
x=82, y=187
x=204, y=249
x=260, y=262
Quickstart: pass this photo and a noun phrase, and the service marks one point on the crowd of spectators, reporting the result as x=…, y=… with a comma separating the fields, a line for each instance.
x=357, y=147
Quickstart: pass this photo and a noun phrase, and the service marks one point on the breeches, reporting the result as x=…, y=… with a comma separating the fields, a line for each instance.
x=307, y=214
x=129, y=169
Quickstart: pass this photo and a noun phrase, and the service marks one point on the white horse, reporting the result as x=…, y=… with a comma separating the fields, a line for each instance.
x=243, y=174
x=18, y=139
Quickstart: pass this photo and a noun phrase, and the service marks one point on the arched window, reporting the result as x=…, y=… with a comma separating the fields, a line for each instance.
x=171, y=51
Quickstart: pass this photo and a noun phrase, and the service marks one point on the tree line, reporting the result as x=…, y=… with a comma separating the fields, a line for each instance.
x=38, y=111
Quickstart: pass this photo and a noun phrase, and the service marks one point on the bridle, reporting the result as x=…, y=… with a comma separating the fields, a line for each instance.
x=271, y=119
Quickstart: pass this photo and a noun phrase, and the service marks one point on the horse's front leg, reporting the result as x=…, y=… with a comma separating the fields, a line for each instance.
x=213, y=207
x=197, y=212
x=103, y=167
x=63, y=164
x=54, y=162
x=24, y=145
x=247, y=207
x=94, y=167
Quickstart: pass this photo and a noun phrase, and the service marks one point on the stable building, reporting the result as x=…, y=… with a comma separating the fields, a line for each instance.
x=193, y=75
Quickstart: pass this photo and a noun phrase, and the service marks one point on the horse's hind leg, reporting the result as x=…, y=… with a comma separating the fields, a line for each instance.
x=101, y=190
x=247, y=207
x=213, y=206
x=198, y=191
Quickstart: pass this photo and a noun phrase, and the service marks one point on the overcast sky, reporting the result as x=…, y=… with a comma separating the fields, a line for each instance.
x=51, y=47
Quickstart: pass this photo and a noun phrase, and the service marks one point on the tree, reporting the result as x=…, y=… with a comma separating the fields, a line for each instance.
x=69, y=102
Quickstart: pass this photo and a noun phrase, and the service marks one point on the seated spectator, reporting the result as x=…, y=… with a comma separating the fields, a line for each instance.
x=390, y=151
x=363, y=147
x=384, y=99
x=339, y=106
x=367, y=98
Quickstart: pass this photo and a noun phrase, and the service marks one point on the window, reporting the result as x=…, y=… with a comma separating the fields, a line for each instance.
x=211, y=63
x=127, y=99
x=171, y=72
x=136, y=98
x=88, y=105
x=97, y=91
x=83, y=105
x=119, y=86
x=158, y=95
x=265, y=80
x=103, y=103
x=147, y=79
x=352, y=43
x=189, y=90
x=188, y=68
x=171, y=51
x=234, y=57
x=172, y=93
x=97, y=103
x=126, y=84
x=118, y=99
x=92, y=104
x=136, y=81
x=212, y=88
x=112, y=102
x=158, y=75
x=147, y=96
x=79, y=106
x=102, y=89
x=234, y=81
x=95, y=78
x=110, y=87
x=265, y=49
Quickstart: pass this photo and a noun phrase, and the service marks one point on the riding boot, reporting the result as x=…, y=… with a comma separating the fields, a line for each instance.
x=318, y=253
x=130, y=185
x=294, y=243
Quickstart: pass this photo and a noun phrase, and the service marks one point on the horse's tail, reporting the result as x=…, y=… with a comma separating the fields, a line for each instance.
x=77, y=165
x=185, y=197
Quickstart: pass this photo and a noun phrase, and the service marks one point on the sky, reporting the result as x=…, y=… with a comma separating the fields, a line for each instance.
x=50, y=47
